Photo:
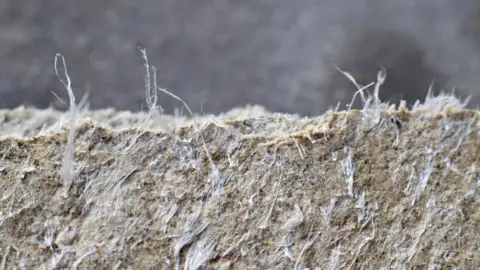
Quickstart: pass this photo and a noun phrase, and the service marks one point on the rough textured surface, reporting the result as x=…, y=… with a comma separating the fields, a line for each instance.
x=381, y=188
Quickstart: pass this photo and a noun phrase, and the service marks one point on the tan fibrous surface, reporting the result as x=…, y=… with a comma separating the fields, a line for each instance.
x=388, y=189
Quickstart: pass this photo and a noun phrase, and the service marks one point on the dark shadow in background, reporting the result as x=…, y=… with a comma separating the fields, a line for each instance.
x=409, y=76
x=470, y=28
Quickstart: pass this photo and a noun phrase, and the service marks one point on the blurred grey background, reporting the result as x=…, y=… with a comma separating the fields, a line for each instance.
x=219, y=54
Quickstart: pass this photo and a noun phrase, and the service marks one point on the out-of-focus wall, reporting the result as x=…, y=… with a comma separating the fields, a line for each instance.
x=218, y=54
